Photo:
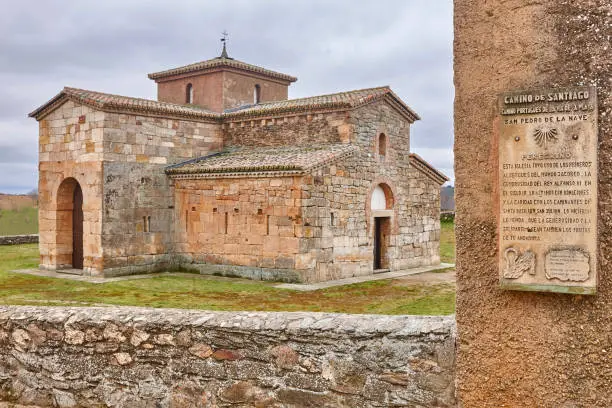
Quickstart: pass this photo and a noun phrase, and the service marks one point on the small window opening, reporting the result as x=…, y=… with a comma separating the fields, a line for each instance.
x=259, y=211
x=267, y=225
x=192, y=208
x=257, y=94
x=236, y=210
x=226, y=223
x=332, y=219
x=146, y=221
x=189, y=93
x=187, y=221
x=382, y=146
x=215, y=210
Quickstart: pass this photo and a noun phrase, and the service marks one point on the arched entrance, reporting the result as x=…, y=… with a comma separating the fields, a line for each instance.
x=381, y=205
x=69, y=226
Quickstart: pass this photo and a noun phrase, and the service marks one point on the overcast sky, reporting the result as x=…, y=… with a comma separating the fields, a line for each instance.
x=331, y=46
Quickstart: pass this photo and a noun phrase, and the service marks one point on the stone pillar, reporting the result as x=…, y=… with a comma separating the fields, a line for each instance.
x=515, y=348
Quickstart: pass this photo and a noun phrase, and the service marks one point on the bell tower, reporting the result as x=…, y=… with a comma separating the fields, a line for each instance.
x=221, y=83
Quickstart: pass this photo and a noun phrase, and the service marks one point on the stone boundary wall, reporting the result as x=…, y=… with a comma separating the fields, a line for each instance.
x=18, y=239
x=137, y=357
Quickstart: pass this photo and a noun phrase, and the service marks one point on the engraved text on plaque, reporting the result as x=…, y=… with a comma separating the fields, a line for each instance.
x=548, y=190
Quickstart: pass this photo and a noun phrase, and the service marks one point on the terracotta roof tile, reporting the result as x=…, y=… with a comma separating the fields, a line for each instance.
x=427, y=169
x=264, y=159
x=348, y=99
x=106, y=101
x=217, y=63
x=341, y=100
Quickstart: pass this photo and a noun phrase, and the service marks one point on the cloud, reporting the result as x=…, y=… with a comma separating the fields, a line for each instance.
x=110, y=46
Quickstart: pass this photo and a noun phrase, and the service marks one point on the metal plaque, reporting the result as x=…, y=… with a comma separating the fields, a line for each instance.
x=548, y=190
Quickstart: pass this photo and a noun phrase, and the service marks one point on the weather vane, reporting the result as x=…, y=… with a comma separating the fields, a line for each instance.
x=224, y=41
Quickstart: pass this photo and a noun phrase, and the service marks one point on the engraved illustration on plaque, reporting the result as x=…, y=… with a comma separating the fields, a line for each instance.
x=567, y=265
x=545, y=134
x=517, y=264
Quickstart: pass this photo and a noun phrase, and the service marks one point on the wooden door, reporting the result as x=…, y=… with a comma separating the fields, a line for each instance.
x=77, y=228
x=377, y=243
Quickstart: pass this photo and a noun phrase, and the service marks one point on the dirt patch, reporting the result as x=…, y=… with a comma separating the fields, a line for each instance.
x=427, y=278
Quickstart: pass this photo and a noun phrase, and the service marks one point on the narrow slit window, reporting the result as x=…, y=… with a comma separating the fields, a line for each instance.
x=257, y=94
x=332, y=219
x=146, y=222
x=267, y=225
x=189, y=93
x=187, y=221
x=226, y=220
x=382, y=146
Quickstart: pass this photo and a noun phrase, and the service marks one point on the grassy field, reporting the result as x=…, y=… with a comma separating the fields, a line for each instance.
x=447, y=242
x=17, y=222
x=216, y=293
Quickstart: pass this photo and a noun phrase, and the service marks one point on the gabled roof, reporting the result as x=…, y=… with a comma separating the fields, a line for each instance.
x=261, y=160
x=340, y=100
x=427, y=169
x=218, y=63
x=110, y=102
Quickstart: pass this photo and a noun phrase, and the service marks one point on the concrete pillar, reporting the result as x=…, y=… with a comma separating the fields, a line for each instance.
x=527, y=349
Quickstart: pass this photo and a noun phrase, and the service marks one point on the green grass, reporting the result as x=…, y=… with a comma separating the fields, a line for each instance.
x=215, y=293
x=19, y=222
x=447, y=242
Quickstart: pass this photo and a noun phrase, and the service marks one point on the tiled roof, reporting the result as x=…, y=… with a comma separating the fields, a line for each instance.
x=420, y=164
x=341, y=100
x=349, y=99
x=106, y=101
x=293, y=159
x=217, y=63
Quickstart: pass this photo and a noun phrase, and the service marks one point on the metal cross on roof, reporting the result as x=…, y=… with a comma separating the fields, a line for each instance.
x=224, y=41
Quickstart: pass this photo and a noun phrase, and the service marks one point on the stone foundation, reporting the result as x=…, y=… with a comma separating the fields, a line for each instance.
x=134, y=357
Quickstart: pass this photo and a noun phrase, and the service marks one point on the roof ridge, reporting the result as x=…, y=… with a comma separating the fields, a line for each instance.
x=75, y=91
x=219, y=62
x=387, y=87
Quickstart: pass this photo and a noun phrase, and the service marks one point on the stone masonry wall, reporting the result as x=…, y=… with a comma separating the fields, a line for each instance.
x=70, y=146
x=243, y=226
x=527, y=349
x=345, y=248
x=130, y=357
x=18, y=239
x=239, y=89
x=138, y=208
x=290, y=130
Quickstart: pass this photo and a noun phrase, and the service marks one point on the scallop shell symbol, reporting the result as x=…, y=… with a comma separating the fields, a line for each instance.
x=544, y=135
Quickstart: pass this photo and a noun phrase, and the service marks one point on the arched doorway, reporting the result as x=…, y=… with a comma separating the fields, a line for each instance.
x=69, y=226
x=381, y=205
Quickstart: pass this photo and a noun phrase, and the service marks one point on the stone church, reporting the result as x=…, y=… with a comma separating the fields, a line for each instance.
x=224, y=174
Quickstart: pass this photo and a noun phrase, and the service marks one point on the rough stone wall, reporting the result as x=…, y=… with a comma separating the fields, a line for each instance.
x=239, y=89
x=70, y=146
x=18, y=239
x=530, y=349
x=291, y=130
x=243, y=226
x=129, y=357
x=153, y=140
x=138, y=228
x=346, y=248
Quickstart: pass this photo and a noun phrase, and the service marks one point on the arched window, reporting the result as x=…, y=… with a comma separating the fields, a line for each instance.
x=382, y=198
x=189, y=93
x=257, y=94
x=382, y=146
